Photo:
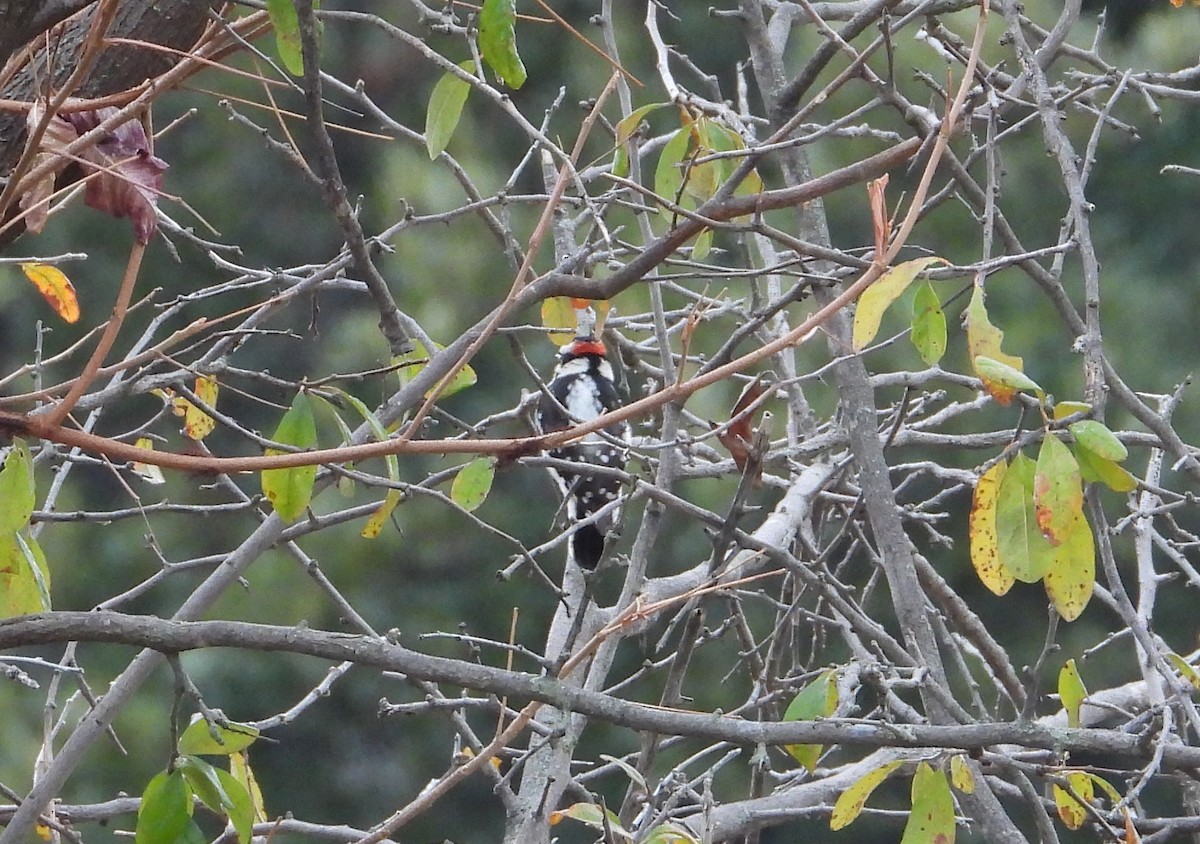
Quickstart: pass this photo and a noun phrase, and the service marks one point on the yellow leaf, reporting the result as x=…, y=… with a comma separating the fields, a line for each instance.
x=374, y=525
x=984, y=339
x=1069, y=408
x=1071, y=575
x=558, y=313
x=24, y=575
x=1071, y=691
x=850, y=802
x=985, y=546
x=879, y=296
x=931, y=820
x=196, y=423
x=961, y=776
x=148, y=472
x=1072, y=813
x=1057, y=489
x=55, y=288
x=239, y=767
x=1185, y=668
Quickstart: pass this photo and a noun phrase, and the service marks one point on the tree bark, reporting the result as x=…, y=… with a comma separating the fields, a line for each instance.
x=176, y=24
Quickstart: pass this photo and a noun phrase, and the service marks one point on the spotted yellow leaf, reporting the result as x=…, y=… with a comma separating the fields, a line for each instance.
x=55, y=288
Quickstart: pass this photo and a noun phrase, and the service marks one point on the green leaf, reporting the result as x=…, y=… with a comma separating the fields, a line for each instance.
x=473, y=482
x=393, y=465
x=850, y=802
x=445, y=108
x=626, y=126
x=1071, y=691
x=819, y=699
x=198, y=738
x=708, y=177
x=702, y=245
x=998, y=375
x=668, y=175
x=1024, y=552
x=928, y=324
x=290, y=490
x=38, y=567
x=1095, y=469
x=931, y=820
x=983, y=533
x=1098, y=439
x=498, y=41
x=379, y=518
x=239, y=769
x=1185, y=668
x=24, y=576
x=1057, y=489
x=240, y=810
x=17, y=494
x=875, y=300
x=202, y=778
x=165, y=810
x=287, y=34
x=192, y=834
x=704, y=179
x=1105, y=786
x=409, y=366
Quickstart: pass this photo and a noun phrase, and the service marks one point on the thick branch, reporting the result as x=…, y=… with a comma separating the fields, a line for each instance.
x=167, y=636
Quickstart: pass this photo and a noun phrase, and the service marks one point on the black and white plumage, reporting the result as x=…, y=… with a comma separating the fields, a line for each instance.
x=583, y=389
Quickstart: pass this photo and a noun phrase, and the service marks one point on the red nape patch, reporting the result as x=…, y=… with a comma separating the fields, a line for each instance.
x=587, y=346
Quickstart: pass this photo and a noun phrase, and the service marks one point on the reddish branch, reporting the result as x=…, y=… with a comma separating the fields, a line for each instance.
x=17, y=424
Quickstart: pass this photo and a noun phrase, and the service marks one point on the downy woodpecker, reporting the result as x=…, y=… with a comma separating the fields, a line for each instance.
x=583, y=389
